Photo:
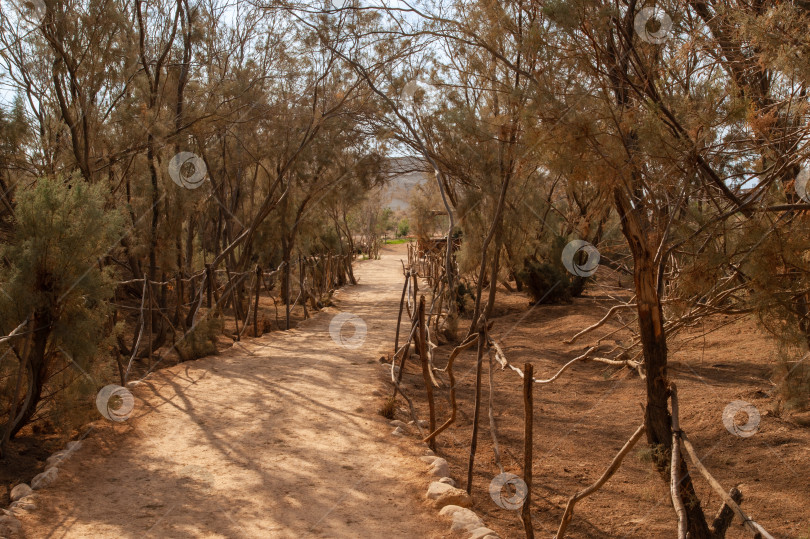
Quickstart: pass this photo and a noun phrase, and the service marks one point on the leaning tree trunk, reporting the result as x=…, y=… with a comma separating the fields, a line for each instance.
x=654, y=344
x=38, y=369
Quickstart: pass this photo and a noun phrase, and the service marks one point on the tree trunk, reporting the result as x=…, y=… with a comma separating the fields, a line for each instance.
x=38, y=369
x=654, y=344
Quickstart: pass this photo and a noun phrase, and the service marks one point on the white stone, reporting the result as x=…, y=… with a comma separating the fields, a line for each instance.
x=44, y=479
x=463, y=519
x=74, y=445
x=448, y=480
x=443, y=494
x=55, y=459
x=22, y=506
x=428, y=459
x=399, y=431
x=483, y=533
x=398, y=423
x=439, y=468
x=20, y=491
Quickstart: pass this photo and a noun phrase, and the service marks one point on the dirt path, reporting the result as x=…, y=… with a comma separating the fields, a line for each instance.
x=278, y=437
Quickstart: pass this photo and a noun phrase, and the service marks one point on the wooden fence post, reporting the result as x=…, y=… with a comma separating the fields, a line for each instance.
x=426, y=368
x=528, y=403
x=209, y=276
x=476, y=412
x=301, y=285
x=178, y=312
x=256, y=302
x=149, y=291
x=399, y=317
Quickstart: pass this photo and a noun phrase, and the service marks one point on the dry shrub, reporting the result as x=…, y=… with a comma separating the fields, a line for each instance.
x=201, y=341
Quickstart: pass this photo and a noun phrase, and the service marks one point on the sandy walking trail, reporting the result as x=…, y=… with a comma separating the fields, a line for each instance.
x=277, y=437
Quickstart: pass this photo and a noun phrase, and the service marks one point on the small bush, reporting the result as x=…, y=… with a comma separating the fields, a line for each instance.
x=202, y=340
x=546, y=280
x=388, y=409
x=465, y=298
x=549, y=283
x=403, y=227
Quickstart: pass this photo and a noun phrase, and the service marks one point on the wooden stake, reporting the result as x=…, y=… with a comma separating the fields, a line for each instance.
x=426, y=368
x=675, y=463
x=492, y=426
x=528, y=405
x=233, y=301
x=477, y=410
x=256, y=302
x=399, y=317
x=210, y=283
x=149, y=291
x=301, y=284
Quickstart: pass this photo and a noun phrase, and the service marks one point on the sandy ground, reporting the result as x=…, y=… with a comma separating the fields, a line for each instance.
x=277, y=437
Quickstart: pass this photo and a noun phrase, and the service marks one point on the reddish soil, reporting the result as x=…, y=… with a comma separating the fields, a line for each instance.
x=586, y=416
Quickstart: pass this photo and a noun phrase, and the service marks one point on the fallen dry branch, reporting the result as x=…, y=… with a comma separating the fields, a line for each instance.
x=600, y=323
x=756, y=530
x=501, y=357
x=617, y=460
x=14, y=333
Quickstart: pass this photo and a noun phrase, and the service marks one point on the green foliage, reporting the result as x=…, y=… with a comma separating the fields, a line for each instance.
x=547, y=279
x=61, y=231
x=465, y=297
x=403, y=227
